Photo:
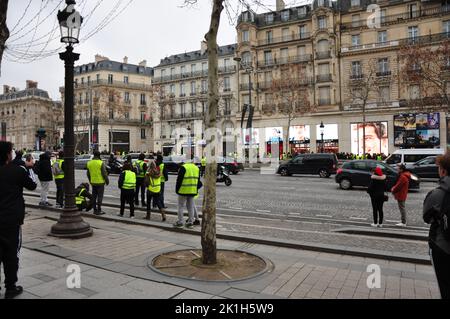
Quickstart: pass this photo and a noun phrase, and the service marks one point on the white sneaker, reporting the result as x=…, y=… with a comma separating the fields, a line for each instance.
x=380, y=225
x=374, y=225
x=400, y=225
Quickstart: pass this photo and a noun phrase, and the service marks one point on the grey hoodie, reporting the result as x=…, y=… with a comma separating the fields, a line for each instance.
x=431, y=213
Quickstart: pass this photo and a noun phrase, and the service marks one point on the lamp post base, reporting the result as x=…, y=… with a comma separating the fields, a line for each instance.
x=71, y=225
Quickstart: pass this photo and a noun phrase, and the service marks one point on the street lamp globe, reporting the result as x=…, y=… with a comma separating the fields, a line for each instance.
x=70, y=22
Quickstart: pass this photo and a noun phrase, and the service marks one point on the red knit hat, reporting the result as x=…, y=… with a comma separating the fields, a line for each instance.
x=378, y=171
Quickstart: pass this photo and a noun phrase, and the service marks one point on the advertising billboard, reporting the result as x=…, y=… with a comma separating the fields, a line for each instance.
x=330, y=133
x=274, y=134
x=255, y=134
x=300, y=134
x=417, y=130
x=376, y=137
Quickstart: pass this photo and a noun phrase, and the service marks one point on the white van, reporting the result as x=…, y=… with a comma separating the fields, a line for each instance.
x=411, y=156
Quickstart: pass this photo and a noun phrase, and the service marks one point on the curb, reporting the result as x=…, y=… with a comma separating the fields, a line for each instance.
x=325, y=248
x=384, y=233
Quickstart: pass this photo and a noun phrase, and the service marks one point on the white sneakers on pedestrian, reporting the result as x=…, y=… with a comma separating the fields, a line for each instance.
x=374, y=225
x=400, y=225
x=380, y=225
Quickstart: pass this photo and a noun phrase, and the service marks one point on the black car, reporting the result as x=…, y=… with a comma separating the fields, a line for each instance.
x=233, y=166
x=425, y=168
x=172, y=163
x=322, y=164
x=357, y=173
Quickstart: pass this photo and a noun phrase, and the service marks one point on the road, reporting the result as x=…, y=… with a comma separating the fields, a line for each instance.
x=305, y=208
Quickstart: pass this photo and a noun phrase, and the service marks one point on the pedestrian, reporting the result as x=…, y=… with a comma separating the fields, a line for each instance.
x=153, y=183
x=203, y=166
x=13, y=179
x=140, y=169
x=127, y=185
x=58, y=174
x=98, y=177
x=164, y=177
x=18, y=160
x=44, y=170
x=187, y=186
x=436, y=211
x=400, y=192
x=82, y=197
x=377, y=187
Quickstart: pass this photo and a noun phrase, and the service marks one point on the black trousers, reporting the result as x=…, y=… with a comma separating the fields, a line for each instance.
x=97, y=197
x=85, y=206
x=155, y=198
x=441, y=264
x=10, y=243
x=59, y=191
x=377, y=206
x=127, y=196
x=161, y=197
x=140, y=186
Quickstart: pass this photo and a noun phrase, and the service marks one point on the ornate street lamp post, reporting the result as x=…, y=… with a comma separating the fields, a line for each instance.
x=322, y=128
x=70, y=223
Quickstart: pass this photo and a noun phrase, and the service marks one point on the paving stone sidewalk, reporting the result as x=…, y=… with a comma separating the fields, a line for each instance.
x=114, y=264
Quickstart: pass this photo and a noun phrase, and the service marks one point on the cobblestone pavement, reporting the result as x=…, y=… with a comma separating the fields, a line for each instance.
x=114, y=265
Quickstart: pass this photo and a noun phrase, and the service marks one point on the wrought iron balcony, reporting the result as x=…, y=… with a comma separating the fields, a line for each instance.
x=323, y=55
x=323, y=78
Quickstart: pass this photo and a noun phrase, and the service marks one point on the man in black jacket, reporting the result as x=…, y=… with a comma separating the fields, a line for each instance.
x=13, y=179
x=436, y=204
x=44, y=170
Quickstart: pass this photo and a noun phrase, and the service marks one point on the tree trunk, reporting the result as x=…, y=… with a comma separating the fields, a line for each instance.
x=4, y=32
x=286, y=141
x=209, y=248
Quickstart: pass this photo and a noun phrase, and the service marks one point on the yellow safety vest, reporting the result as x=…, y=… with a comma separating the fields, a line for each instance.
x=95, y=171
x=80, y=199
x=141, y=168
x=161, y=169
x=60, y=176
x=154, y=185
x=203, y=161
x=190, y=180
x=130, y=180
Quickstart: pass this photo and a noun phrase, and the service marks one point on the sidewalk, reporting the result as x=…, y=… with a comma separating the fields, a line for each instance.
x=114, y=264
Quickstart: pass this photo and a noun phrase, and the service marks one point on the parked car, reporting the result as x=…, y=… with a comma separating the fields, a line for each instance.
x=230, y=164
x=411, y=156
x=357, y=173
x=425, y=168
x=172, y=163
x=322, y=164
x=82, y=160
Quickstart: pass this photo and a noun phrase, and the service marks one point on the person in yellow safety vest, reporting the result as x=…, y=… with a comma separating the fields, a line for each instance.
x=81, y=195
x=140, y=167
x=187, y=186
x=164, y=177
x=203, y=166
x=153, y=183
x=127, y=185
x=379, y=158
x=98, y=177
x=58, y=174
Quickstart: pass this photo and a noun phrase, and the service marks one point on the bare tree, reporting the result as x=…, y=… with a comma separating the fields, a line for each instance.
x=290, y=92
x=4, y=31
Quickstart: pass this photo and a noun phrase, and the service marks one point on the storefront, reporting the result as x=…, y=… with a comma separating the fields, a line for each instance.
x=81, y=142
x=274, y=140
x=330, y=143
x=253, y=142
x=376, y=138
x=417, y=130
x=119, y=141
x=300, y=139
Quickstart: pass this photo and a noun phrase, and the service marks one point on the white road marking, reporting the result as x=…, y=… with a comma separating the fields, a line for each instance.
x=263, y=211
x=325, y=216
x=237, y=208
x=296, y=214
x=393, y=221
x=358, y=218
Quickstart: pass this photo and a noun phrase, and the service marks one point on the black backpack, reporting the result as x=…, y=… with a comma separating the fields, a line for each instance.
x=445, y=217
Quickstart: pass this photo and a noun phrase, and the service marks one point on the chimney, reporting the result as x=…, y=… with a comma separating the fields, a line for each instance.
x=143, y=63
x=125, y=60
x=280, y=5
x=204, y=47
x=5, y=89
x=31, y=85
x=100, y=58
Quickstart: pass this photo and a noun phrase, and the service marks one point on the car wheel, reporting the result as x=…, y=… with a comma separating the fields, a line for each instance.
x=284, y=172
x=234, y=172
x=323, y=173
x=345, y=184
x=228, y=181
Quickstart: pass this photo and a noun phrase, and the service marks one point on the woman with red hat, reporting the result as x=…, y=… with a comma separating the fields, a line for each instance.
x=376, y=191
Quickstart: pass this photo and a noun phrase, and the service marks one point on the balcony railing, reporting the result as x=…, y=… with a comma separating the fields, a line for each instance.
x=285, y=60
x=196, y=74
x=324, y=101
x=286, y=38
x=323, y=78
x=245, y=86
x=269, y=108
x=399, y=18
x=118, y=84
x=174, y=117
x=384, y=73
x=291, y=83
x=323, y=55
x=358, y=76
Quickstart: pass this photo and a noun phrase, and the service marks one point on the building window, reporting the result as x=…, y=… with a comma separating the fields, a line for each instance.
x=127, y=115
x=183, y=109
x=284, y=55
x=356, y=40
x=89, y=80
x=111, y=114
x=413, y=11
x=414, y=92
x=285, y=34
x=269, y=36
x=226, y=84
x=446, y=27
x=142, y=117
x=355, y=3
x=143, y=100
x=98, y=78
x=80, y=100
x=204, y=86
x=193, y=88
x=268, y=57
x=285, y=15
x=302, y=11
x=110, y=79
x=125, y=79
x=193, y=68
x=127, y=97
x=172, y=72
x=204, y=67
x=383, y=66
x=172, y=89
x=324, y=95
x=355, y=20
x=193, y=106
x=86, y=98
x=385, y=92
x=143, y=134
x=245, y=36
x=413, y=33
x=356, y=69
x=383, y=15
x=182, y=89
x=302, y=31
x=382, y=36
x=183, y=71
x=269, y=18
x=322, y=21
x=163, y=73
x=321, y=3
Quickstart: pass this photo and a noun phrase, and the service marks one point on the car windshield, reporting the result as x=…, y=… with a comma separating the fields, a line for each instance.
x=394, y=159
x=426, y=161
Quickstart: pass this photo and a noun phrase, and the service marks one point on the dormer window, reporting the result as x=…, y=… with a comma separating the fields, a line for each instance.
x=269, y=18
x=321, y=3
x=285, y=15
x=355, y=3
x=322, y=21
x=302, y=11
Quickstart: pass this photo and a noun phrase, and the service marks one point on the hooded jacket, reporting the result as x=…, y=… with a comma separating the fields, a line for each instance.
x=432, y=212
x=400, y=189
x=377, y=186
x=44, y=168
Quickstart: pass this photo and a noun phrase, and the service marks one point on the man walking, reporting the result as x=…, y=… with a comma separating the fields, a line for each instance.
x=400, y=192
x=164, y=178
x=188, y=182
x=140, y=169
x=44, y=170
x=436, y=211
x=98, y=177
x=13, y=179
x=58, y=173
